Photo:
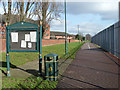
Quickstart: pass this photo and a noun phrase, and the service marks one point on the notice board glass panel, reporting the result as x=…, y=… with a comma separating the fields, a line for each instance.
x=23, y=40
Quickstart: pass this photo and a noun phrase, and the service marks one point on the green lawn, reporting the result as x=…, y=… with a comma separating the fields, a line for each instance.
x=17, y=59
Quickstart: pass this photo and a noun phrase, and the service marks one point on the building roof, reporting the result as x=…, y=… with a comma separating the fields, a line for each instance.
x=56, y=33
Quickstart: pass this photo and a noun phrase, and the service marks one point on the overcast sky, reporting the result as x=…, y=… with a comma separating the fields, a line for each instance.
x=91, y=17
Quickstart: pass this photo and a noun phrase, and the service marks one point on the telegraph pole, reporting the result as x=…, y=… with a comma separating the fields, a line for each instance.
x=65, y=30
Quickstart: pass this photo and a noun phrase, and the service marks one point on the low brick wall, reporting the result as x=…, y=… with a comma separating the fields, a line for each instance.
x=44, y=43
x=2, y=45
x=55, y=41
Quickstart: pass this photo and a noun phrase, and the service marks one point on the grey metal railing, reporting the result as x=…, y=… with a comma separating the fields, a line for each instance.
x=109, y=39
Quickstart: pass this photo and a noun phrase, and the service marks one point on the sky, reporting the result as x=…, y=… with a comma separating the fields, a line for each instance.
x=92, y=17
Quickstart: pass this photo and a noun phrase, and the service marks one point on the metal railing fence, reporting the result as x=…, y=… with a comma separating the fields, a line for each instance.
x=109, y=39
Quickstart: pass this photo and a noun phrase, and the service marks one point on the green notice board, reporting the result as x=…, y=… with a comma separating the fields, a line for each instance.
x=22, y=37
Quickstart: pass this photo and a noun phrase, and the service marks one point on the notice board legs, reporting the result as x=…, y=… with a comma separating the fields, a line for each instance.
x=40, y=65
x=8, y=64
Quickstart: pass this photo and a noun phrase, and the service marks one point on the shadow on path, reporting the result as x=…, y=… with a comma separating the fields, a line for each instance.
x=82, y=82
x=31, y=71
x=113, y=60
x=93, y=69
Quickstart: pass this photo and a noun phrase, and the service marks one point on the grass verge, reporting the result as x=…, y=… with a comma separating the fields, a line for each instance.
x=17, y=59
x=20, y=58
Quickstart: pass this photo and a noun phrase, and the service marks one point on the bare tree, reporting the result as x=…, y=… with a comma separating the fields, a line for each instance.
x=21, y=10
x=9, y=11
x=4, y=7
x=88, y=37
x=8, y=15
x=79, y=36
x=24, y=9
x=47, y=11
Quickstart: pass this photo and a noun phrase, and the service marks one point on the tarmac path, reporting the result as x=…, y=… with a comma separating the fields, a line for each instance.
x=92, y=68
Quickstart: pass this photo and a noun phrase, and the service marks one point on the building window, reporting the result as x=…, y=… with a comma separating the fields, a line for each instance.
x=2, y=32
x=2, y=25
x=47, y=34
x=46, y=28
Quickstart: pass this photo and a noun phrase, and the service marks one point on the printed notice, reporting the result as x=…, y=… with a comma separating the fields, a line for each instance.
x=29, y=45
x=27, y=37
x=23, y=44
x=14, y=36
x=33, y=36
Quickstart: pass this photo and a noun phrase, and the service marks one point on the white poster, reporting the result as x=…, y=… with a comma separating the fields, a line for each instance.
x=29, y=45
x=27, y=37
x=33, y=36
x=23, y=44
x=14, y=36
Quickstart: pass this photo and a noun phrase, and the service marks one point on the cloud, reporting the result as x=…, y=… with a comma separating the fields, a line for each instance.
x=58, y=25
x=107, y=11
x=86, y=27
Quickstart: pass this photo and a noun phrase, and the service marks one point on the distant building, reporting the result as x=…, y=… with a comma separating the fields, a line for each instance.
x=60, y=35
x=88, y=37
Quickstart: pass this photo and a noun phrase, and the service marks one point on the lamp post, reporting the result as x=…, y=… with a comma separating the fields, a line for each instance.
x=65, y=30
x=119, y=10
x=40, y=49
x=78, y=34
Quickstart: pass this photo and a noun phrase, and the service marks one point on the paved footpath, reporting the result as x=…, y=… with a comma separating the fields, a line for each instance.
x=92, y=68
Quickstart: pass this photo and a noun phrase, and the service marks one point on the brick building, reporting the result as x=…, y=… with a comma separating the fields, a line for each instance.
x=47, y=29
x=2, y=38
x=2, y=31
x=47, y=32
x=60, y=35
